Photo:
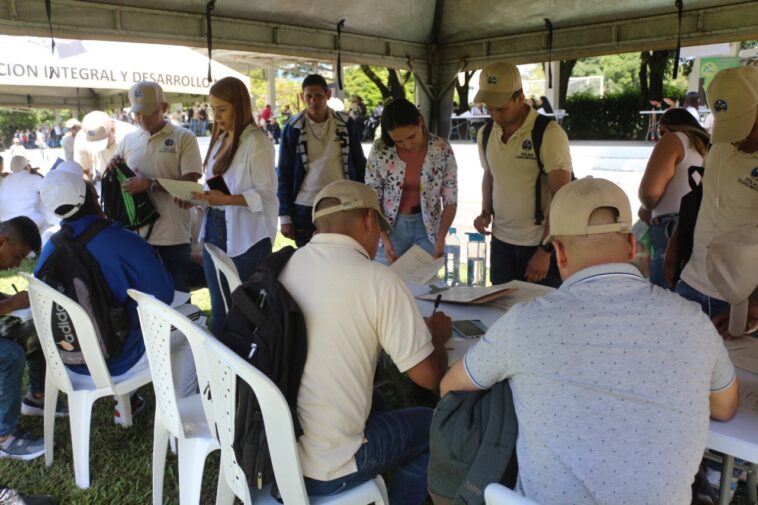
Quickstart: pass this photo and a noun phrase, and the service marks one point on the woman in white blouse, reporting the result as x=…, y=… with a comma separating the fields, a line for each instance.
x=241, y=160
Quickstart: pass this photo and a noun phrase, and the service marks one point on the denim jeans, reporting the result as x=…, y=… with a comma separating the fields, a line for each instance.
x=12, y=364
x=215, y=233
x=508, y=262
x=408, y=230
x=395, y=440
x=176, y=259
x=660, y=232
x=302, y=220
x=710, y=306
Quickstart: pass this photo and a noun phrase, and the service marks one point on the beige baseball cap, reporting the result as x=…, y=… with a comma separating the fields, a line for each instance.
x=96, y=127
x=73, y=123
x=574, y=203
x=733, y=98
x=497, y=83
x=145, y=97
x=352, y=195
x=730, y=263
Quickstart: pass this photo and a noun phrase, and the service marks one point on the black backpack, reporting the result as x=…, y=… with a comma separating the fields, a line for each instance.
x=472, y=442
x=538, y=133
x=133, y=211
x=265, y=327
x=73, y=271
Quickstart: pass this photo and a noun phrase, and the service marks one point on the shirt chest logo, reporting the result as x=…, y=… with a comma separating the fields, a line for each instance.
x=169, y=146
x=527, y=153
x=750, y=182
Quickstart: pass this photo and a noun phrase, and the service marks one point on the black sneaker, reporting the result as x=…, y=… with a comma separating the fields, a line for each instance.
x=31, y=406
x=22, y=445
x=138, y=405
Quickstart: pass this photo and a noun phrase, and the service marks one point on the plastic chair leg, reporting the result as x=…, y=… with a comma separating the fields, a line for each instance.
x=80, y=417
x=160, y=443
x=224, y=494
x=124, y=406
x=192, y=454
x=51, y=400
x=382, y=487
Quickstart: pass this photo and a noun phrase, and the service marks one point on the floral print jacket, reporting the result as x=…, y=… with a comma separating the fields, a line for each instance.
x=385, y=174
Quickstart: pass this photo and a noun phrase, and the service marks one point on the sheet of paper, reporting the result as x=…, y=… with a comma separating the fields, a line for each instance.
x=749, y=396
x=417, y=266
x=744, y=352
x=469, y=294
x=182, y=189
x=525, y=291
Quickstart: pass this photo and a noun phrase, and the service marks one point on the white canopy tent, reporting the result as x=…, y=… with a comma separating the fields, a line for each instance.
x=97, y=74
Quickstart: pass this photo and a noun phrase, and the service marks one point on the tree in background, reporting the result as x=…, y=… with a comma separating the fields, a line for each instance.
x=396, y=80
x=287, y=91
x=566, y=67
x=462, y=90
x=653, y=66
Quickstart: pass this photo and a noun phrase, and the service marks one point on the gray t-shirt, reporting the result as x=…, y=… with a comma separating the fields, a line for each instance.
x=611, y=379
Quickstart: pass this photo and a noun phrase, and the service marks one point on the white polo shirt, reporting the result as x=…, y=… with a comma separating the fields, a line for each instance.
x=170, y=153
x=514, y=169
x=353, y=307
x=730, y=202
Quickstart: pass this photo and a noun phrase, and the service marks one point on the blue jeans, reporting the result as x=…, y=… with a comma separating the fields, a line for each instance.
x=396, y=440
x=710, y=306
x=215, y=233
x=660, y=232
x=176, y=259
x=408, y=230
x=12, y=362
x=302, y=220
x=508, y=262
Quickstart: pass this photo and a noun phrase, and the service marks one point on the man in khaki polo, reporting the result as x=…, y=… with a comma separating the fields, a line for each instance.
x=510, y=179
x=730, y=182
x=160, y=149
x=354, y=307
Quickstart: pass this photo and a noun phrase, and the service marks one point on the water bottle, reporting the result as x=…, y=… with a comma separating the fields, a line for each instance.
x=477, y=259
x=452, y=258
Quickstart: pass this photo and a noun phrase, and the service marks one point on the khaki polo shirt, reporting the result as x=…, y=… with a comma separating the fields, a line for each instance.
x=514, y=176
x=730, y=202
x=170, y=153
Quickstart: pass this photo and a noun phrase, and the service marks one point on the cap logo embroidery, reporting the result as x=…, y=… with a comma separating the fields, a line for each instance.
x=492, y=80
x=169, y=142
x=754, y=173
x=526, y=145
x=720, y=106
x=137, y=93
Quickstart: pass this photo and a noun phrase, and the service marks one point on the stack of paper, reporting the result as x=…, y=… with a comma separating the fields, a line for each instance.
x=417, y=266
x=476, y=295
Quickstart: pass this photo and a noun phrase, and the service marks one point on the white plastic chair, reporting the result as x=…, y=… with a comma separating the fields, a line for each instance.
x=82, y=390
x=496, y=494
x=223, y=368
x=223, y=264
x=181, y=418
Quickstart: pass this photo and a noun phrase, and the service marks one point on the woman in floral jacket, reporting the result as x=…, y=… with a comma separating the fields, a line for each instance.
x=415, y=177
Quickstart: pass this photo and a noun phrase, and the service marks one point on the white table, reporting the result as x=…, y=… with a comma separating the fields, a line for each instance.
x=737, y=437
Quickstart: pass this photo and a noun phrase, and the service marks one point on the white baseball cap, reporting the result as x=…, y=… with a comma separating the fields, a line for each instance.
x=97, y=126
x=71, y=167
x=18, y=163
x=72, y=123
x=497, y=83
x=733, y=98
x=575, y=202
x=145, y=97
x=62, y=187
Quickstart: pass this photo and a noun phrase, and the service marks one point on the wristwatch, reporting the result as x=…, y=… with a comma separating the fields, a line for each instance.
x=548, y=248
x=153, y=184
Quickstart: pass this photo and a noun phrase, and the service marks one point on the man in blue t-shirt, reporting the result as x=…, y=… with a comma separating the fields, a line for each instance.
x=126, y=261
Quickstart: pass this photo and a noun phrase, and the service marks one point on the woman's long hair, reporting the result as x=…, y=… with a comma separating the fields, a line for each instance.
x=678, y=119
x=398, y=113
x=232, y=90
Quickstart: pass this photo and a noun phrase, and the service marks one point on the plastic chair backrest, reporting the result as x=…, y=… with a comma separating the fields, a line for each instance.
x=42, y=298
x=276, y=419
x=496, y=494
x=223, y=264
x=155, y=321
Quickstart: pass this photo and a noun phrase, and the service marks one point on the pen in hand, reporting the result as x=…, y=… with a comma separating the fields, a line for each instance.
x=16, y=290
x=437, y=303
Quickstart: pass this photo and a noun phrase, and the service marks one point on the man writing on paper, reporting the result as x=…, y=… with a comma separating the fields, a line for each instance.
x=612, y=393
x=161, y=149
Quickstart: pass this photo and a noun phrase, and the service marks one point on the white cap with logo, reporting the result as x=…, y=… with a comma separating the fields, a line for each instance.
x=575, y=202
x=145, y=97
x=733, y=98
x=497, y=83
x=63, y=187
